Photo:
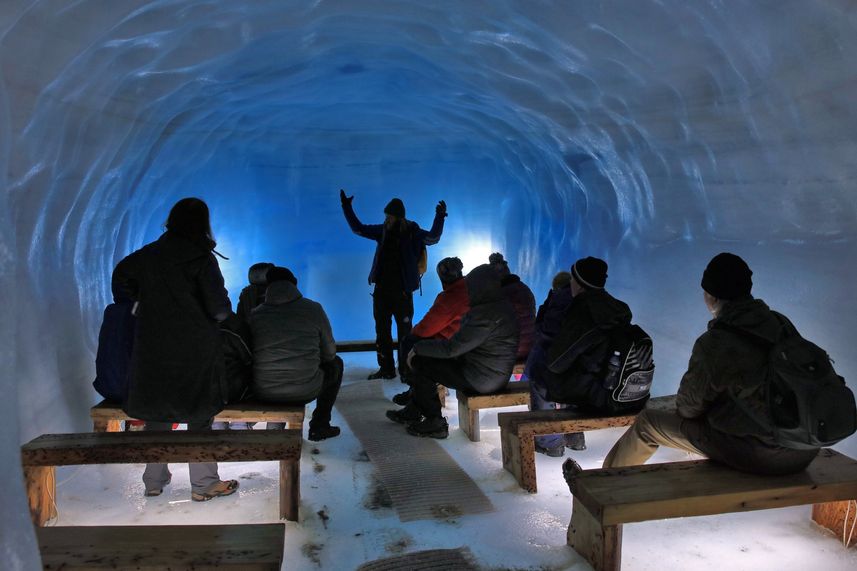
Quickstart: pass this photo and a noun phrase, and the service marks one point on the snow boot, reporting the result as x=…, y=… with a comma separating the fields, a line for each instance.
x=430, y=428
x=382, y=374
x=318, y=433
x=405, y=415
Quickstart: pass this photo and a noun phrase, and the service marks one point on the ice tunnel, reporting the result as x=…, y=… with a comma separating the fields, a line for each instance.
x=654, y=134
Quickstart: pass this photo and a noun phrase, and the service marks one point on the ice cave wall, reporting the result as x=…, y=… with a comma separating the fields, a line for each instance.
x=652, y=133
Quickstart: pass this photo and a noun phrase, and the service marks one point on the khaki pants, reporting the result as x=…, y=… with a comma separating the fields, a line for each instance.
x=653, y=428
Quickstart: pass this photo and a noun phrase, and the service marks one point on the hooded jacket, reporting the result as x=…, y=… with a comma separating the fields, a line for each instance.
x=410, y=246
x=176, y=366
x=524, y=302
x=292, y=337
x=443, y=319
x=578, y=354
x=488, y=338
x=252, y=295
x=725, y=363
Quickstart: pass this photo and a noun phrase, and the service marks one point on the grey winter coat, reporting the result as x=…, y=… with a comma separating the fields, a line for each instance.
x=292, y=337
x=487, y=341
x=176, y=366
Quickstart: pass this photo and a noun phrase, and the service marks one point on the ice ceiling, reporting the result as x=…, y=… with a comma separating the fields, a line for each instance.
x=552, y=128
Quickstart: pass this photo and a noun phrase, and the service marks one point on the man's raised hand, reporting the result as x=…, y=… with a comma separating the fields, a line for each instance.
x=345, y=199
x=440, y=209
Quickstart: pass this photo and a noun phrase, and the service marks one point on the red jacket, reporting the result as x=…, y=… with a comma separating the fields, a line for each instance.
x=443, y=319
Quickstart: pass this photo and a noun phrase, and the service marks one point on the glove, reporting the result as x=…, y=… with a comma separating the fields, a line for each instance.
x=345, y=199
x=440, y=209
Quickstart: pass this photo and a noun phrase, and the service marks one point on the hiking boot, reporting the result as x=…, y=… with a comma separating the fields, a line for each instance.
x=318, y=433
x=154, y=492
x=221, y=488
x=575, y=441
x=430, y=428
x=382, y=374
x=570, y=470
x=555, y=452
x=403, y=399
x=405, y=415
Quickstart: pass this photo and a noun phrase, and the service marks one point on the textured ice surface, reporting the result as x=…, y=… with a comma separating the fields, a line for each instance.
x=652, y=133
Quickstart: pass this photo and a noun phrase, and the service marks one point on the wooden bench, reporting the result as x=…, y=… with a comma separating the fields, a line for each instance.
x=40, y=456
x=107, y=415
x=359, y=346
x=248, y=546
x=514, y=394
x=607, y=498
x=519, y=429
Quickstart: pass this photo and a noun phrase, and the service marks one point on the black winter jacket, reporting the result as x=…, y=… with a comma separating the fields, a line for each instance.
x=488, y=339
x=176, y=364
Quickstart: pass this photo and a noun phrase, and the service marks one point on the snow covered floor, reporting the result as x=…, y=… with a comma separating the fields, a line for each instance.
x=346, y=518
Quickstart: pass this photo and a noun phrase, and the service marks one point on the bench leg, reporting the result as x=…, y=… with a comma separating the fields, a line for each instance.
x=107, y=426
x=515, y=459
x=832, y=516
x=468, y=419
x=290, y=489
x=600, y=545
x=41, y=493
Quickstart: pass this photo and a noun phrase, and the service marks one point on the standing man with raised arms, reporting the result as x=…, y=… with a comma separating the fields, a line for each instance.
x=395, y=272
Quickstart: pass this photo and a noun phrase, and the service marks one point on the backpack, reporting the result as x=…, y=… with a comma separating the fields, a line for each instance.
x=610, y=369
x=630, y=368
x=115, y=345
x=809, y=405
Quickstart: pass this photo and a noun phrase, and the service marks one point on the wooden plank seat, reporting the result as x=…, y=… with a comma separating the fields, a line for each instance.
x=514, y=394
x=107, y=415
x=248, y=546
x=519, y=429
x=359, y=346
x=41, y=455
x=607, y=498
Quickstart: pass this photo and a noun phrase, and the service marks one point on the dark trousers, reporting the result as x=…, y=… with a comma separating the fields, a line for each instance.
x=426, y=374
x=326, y=397
x=405, y=346
x=387, y=306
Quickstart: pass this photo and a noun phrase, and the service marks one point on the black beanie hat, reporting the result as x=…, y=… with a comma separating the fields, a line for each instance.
x=727, y=277
x=590, y=272
x=395, y=208
x=278, y=274
x=449, y=270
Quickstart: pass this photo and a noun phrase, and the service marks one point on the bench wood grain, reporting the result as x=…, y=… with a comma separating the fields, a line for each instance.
x=249, y=546
x=40, y=456
x=605, y=499
x=519, y=429
x=514, y=394
x=107, y=415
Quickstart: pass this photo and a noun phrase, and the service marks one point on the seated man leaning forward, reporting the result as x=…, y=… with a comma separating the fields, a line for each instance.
x=479, y=358
x=728, y=359
x=294, y=353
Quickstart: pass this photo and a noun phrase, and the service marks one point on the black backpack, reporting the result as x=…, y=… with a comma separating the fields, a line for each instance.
x=809, y=405
x=630, y=368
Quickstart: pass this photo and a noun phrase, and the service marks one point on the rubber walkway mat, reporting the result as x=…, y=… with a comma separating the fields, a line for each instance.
x=447, y=559
x=423, y=481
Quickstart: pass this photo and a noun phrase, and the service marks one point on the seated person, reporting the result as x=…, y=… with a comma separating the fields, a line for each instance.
x=577, y=358
x=479, y=358
x=707, y=422
x=253, y=294
x=548, y=321
x=294, y=353
x=522, y=300
x=443, y=318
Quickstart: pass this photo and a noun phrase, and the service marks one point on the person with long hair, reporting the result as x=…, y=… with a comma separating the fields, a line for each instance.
x=176, y=369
